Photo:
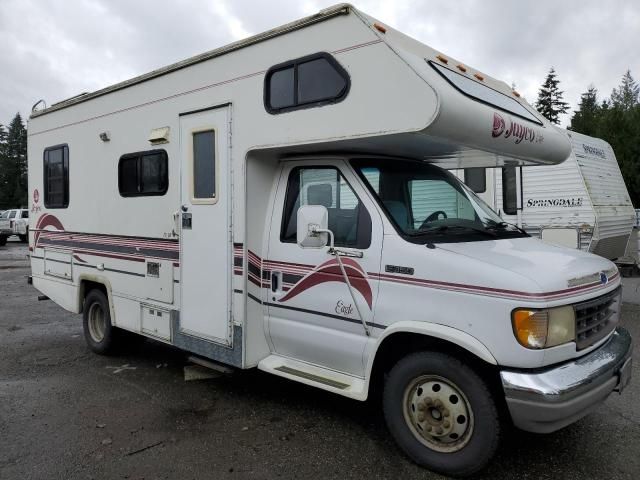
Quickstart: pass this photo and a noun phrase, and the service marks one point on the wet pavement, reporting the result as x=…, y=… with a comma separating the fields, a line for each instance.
x=66, y=413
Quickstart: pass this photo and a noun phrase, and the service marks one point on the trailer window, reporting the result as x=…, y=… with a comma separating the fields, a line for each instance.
x=143, y=173
x=56, y=176
x=476, y=179
x=348, y=218
x=204, y=165
x=306, y=82
x=509, y=191
x=484, y=94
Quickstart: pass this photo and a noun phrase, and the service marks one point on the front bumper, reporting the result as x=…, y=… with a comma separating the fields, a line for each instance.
x=546, y=400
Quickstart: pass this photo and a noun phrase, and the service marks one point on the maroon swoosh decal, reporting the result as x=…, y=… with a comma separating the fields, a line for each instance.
x=330, y=272
x=46, y=220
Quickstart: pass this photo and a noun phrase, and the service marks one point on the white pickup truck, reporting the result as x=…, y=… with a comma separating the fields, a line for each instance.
x=14, y=222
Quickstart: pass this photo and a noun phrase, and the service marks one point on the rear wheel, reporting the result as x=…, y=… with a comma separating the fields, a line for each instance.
x=441, y=413
x=98, y=331
x=3, y=240
x=23, y=238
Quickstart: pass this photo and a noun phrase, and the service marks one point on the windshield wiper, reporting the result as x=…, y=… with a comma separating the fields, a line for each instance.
x=503, y=225
x=447, y=228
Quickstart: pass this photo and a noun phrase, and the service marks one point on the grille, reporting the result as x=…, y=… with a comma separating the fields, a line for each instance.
x=596, y=318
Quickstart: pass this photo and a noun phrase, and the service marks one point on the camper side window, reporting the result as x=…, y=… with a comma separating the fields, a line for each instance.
x=476, y=179
x=509, y=191
x=143, y=173
x=309, y=81
x=56, y=176
x=348, y=218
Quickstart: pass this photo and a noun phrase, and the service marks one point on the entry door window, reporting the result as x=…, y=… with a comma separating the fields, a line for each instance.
x=204, y=166
x=348, y=218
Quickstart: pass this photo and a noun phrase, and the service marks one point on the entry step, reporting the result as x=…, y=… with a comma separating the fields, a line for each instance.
x=347, y=385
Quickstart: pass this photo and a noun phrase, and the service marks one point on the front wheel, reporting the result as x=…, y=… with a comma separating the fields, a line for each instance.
x=96, y=322
x=23, y=238
x=3, y=240
x=441, y=413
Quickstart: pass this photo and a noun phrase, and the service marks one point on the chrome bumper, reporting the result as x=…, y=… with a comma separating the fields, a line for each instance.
x=546, y=400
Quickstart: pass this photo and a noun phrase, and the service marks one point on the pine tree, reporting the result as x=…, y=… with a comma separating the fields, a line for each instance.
x=4, y=167
x=13, y=166
x=625, y=96
x=550, y=103
x=586, y=119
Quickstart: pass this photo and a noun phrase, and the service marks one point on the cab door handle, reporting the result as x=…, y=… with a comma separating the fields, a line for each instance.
x=276, y=281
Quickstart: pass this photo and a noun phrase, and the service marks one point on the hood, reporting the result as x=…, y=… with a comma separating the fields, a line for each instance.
x=553, y=269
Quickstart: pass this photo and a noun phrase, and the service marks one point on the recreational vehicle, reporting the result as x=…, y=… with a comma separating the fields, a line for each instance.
x=581, y=203
x=284, y=199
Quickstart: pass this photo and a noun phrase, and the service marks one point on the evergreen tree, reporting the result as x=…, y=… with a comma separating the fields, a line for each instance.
x=620, y=126
x=626, y=95
x=13, y=166
x=4, y=188
x=586, y=119
x=550, y=103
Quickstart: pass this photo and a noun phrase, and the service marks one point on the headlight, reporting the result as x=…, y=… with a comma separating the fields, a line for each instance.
x=544, y=328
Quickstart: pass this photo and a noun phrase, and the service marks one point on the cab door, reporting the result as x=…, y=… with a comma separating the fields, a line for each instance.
x=310, y=312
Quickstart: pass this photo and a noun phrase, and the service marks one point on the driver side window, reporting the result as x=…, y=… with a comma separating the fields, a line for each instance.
x=348, y=218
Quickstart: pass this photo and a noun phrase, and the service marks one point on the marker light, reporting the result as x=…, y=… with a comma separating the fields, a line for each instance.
x=442, y=58
x=381, y=28
x=544, y=328
x=516, y=94
x=461, y=67
x=479, y=77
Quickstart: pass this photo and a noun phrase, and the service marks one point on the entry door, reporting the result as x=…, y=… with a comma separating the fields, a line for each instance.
x=311, y=314
x=205, y=243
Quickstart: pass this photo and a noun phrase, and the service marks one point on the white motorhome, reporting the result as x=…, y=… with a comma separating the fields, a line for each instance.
x=581, y=203
x=280, y=214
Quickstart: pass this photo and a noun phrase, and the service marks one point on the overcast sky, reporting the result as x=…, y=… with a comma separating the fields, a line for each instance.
x=54, y=49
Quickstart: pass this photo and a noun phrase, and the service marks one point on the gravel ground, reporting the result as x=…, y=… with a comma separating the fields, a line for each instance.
x=66, y=413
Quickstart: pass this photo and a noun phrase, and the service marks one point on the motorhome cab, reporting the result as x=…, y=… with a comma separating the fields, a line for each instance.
x=581, y=203
x=286, y=209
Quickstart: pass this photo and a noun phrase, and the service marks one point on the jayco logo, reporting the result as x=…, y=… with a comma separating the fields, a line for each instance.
x=343, y=309
x=518, y=131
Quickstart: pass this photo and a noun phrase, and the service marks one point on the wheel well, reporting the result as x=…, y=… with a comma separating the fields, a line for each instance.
x=401, y=344
x=86, y=286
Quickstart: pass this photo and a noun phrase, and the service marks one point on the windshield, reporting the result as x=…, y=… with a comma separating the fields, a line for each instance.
x=430, y=205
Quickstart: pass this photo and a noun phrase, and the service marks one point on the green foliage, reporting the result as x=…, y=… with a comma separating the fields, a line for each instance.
x=585, y=119
x=617, y=121
x=13, y=164
x=550, y=103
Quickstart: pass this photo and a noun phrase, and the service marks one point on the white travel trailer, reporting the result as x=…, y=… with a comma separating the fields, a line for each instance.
x=260, y=205
x=581, y=203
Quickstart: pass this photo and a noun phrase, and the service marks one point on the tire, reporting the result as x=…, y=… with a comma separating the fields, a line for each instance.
x=3, y=240
x=23, y=238
x=441, y=413
x=100, y=335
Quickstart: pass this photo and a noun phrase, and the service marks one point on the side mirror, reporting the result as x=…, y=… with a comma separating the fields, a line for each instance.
x=312, y=217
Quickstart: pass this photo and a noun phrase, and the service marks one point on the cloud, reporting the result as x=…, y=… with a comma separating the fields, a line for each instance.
x=54, y=50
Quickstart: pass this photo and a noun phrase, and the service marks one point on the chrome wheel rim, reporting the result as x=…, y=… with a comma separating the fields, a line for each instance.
x=97, y=322
x=438, y=413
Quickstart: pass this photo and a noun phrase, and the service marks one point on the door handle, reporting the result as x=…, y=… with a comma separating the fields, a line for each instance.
x=276, y=281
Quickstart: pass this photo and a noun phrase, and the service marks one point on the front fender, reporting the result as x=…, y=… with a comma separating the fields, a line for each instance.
x=449, y=334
